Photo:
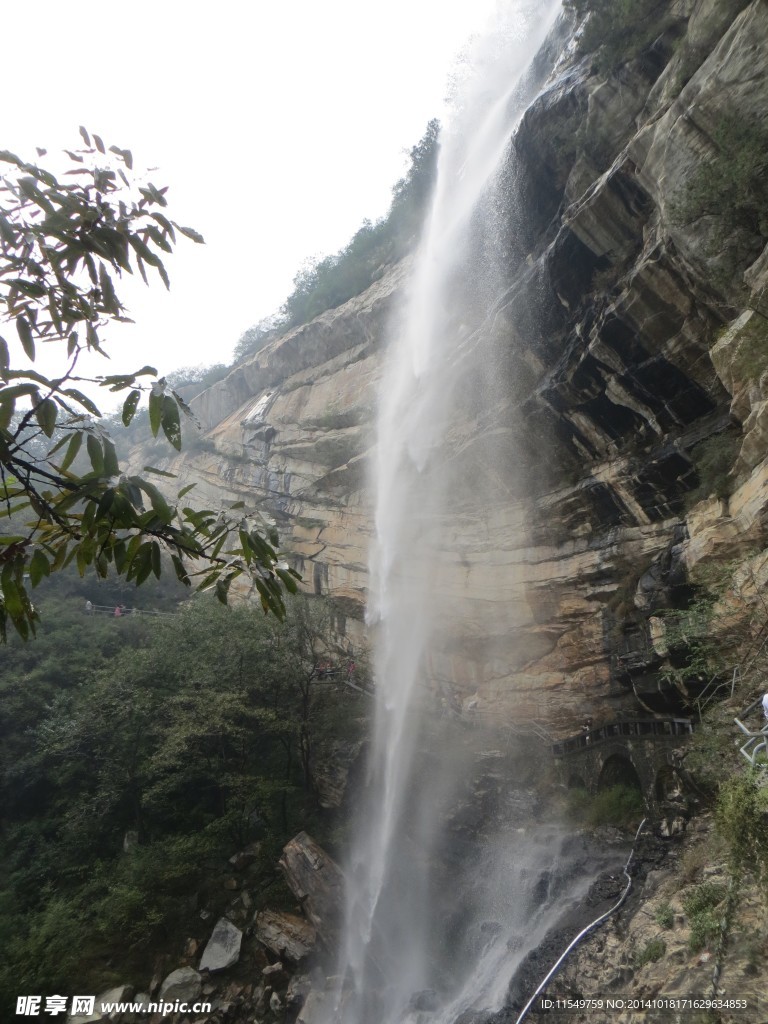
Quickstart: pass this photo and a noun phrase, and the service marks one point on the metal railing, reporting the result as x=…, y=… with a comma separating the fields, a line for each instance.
x=757, y=739
x=624, y=728
x=118, y=611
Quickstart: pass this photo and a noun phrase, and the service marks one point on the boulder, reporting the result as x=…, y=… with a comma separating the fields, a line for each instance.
x=271, y=970
x=184, y=984
x=223, y=948
x=119, y=994
x=317, y=883
x=298, y=989
x=244, y=858
x=285, y=934
x=314, y=1006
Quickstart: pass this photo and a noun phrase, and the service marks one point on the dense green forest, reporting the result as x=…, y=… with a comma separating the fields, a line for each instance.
x=140, y=752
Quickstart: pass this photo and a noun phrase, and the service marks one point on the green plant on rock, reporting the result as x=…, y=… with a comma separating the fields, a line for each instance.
x=733, y=183
x=652, y=951
x=714, y=459
x=620, y=806
x=704, y=907
x=326, y=283
x=665, y=915
x=741, y=817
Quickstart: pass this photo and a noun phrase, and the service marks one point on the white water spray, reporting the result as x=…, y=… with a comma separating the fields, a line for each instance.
x=432, y=933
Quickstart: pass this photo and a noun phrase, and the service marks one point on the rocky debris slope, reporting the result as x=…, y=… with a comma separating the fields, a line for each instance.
x=632, y=333
x=254, y=965
x=688, y=932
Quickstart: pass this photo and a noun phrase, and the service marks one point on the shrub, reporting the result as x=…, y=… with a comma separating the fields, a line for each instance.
x=732, y=184
x=714, y=460
x=701, y=906
x=620, y=806
x=741, y=817
x=665, y=916
x=652, y=951
x=327, y=283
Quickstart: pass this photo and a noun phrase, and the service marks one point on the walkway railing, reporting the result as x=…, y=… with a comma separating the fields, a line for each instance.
x=629, y=728
x=757, y=742
x=119, y=611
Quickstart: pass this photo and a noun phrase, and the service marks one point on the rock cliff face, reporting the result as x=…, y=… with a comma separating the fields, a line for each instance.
x=635, y=339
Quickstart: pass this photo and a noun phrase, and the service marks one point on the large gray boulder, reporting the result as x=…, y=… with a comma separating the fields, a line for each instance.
x=185, y=984
x=120, y=994
x=223, y=947
x=317, y=883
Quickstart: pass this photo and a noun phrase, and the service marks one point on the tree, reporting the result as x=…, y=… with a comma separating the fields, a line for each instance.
x=65, y=242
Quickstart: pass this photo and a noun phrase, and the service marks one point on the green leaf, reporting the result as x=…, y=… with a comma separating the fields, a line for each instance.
x=181, y=572
x=157, y=566
x=170, y=421
x=111, y=465
x=130, y=405
x=143, y=251
x=39, y=566
x=7, y=409
x=108, y=297
x=160, y=472
x=82, y=400
x=185, y=490
x=25, y=336
x=158, y=501
x=95, y=454
x=45, y=414
x=191, y=233
x=86, y=136
x=288, y=581
x=17, y=390
x=141, y=565
x=5, y=358
x=72, y=449
x=155, y=411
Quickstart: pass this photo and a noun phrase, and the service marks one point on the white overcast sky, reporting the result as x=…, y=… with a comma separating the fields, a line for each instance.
x=278, y=126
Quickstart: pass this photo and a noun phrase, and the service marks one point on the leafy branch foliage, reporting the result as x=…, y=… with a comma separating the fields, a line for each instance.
x=65, y=242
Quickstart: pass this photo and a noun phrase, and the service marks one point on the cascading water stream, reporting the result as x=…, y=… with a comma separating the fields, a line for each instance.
x=432, y=930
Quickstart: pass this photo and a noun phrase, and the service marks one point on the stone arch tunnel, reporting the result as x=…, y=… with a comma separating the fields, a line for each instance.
x=639, y=753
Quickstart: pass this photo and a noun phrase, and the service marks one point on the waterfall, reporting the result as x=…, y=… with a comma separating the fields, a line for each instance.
x=446, y=892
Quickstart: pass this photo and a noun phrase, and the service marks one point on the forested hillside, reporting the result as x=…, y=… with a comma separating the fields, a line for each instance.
x=140, y=752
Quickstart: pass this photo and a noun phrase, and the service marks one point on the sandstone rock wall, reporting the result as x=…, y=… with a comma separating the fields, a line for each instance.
x=631, y=333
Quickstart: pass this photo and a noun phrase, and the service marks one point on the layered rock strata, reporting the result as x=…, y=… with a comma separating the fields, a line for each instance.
x=633, y=330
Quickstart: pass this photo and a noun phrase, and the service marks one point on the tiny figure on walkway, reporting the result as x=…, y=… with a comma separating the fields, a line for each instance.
x=765, y=706
x=89, y=608
x=118, y=611
x=586, y=729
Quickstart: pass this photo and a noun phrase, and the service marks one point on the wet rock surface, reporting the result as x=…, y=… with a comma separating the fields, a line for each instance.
x=610, y=357
x=317, y=883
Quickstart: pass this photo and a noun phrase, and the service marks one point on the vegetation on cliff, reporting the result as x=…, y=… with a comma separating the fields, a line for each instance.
x=139, y=754
x=618, y=30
